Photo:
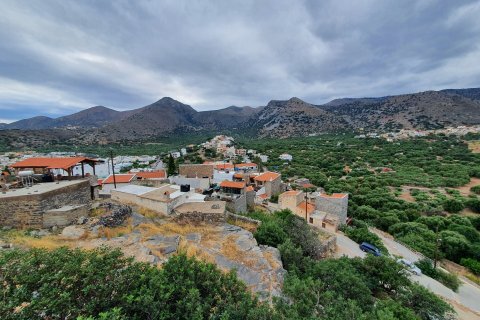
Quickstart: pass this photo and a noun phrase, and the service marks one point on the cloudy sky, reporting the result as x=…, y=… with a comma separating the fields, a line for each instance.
x=58, y=57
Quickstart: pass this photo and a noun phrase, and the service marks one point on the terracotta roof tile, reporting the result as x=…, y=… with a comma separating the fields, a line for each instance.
x=310, y=207
x=241, y=165
x=232, y=184
x=150, y=175
x=50, y=163
x=224, y=166
x=267, y=176
x=119, y=178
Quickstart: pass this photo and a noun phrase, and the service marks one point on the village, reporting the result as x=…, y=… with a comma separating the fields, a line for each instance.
x=86, y=201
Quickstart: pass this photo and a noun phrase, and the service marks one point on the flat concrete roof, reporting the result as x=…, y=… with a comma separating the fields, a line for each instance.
x=134, y=189
x=203, y=207
x=163, y=194
x=40, y=188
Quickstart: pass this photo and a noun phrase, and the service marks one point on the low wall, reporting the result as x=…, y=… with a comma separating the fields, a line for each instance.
x=195, y=217
x=243, y=222
x=26, y=211
x=64, y=216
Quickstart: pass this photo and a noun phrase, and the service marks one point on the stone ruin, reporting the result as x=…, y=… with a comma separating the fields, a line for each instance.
x=116, y=216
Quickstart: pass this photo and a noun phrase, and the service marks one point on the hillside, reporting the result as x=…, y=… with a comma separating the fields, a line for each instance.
x=424, y=110
x=279, y=118
x=293, y=117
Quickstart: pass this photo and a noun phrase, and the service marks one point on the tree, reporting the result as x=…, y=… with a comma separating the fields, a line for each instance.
x=171, y=167
x=103, y=284
x=453, y=205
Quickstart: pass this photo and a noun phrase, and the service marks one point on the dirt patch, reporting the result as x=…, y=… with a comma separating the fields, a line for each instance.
x=465, y=190
x=405, y=195
x=474, y=146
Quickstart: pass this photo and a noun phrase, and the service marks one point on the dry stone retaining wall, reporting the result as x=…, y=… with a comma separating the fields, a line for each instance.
x=27, y=210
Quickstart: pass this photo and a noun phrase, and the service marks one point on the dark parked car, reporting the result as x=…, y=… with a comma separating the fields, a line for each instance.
x=370, y=248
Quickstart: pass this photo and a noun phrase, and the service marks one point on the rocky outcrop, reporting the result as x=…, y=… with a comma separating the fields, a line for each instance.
x=229, y=247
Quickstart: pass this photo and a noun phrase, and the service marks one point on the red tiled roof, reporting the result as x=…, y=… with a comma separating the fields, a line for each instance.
x=249, y=188
x=150, y=175
x=224, y=166
x=250, y=164
x=308, y=185
x=119, y=178
x=232, y=184
x=310, y=207
x=290, y=193
x=263, y=196
x=50, y=163
x=267, y=176
x=238, y=176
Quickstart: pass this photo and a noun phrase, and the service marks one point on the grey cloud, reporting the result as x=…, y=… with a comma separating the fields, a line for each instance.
x=123, y=54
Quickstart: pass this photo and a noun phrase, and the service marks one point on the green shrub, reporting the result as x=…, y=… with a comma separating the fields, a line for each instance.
x=471, y=264
x=453, y=205
x=475, y=189
x=102, y=284
x=450, y=280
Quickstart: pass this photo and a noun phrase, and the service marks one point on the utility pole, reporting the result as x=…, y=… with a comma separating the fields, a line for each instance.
x=113, y=170
x=436, y=249
x=306, y=205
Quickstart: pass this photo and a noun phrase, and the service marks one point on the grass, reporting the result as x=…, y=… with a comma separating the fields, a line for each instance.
x=473, y=278
x=252, y=227
x=148, y=213
x=232, y=252
x=192, y=250
x=47, y=242
x=271, y=260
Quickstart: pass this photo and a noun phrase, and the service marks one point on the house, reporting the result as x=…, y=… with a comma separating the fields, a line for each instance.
x=119, y=179
x=241, y=152
x=232, y=187
x=302, y=206
x=263, y=158
x=227, y=166
x=183, y=151
x=162, y=200
x=286, y=157
x=294, y=200
x=236, y=195
x=335, y=204
x=250, y=166
x=175, y=154
x=270, y=182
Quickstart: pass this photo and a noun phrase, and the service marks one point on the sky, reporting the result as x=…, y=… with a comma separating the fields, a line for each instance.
x=59, y=57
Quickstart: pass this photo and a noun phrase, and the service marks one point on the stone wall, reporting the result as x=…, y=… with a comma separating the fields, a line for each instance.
x=26, y=211
x=273, y=187
x=64, y=216
x=250, y=195
x=196, y=170
x=195, y=217
x=336, y=206
x=244, y=222
x=237, y=204
x=195, y=183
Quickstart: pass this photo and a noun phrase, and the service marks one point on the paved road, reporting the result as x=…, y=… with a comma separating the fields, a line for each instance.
x=347, y=247
x=468, y=294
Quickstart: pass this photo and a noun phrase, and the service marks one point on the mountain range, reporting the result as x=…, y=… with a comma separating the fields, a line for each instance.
x=279, y=118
